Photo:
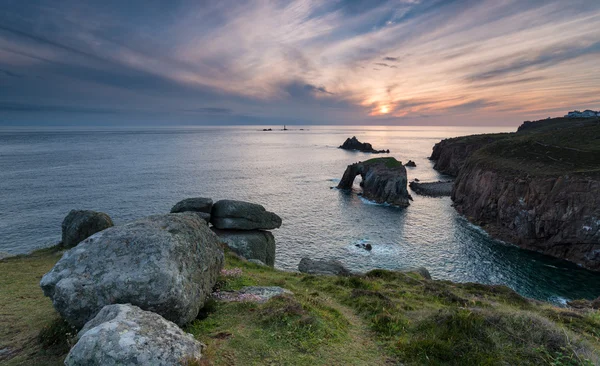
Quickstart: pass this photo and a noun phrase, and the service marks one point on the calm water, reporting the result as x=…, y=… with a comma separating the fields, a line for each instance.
x=132, y=173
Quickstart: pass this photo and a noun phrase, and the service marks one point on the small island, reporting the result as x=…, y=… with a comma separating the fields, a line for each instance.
x=383, y=180
x=354, y=144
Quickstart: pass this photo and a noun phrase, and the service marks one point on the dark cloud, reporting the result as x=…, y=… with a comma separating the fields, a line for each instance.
x=11, y=74
x=210, y=110
x=391, y=59
x=471, y=105
x=546, y=58
x=35, y=108
x=386, y=65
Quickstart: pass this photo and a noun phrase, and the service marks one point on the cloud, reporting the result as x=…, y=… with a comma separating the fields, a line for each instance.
x=391, y=59
x=386, y=65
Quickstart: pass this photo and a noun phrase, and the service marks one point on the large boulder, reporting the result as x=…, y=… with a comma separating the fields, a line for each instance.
x=317, y=267
x=78, y=225
x=256, y=244
x=240, y=215
x=196, y=204
x=127, y=335
x=167, y=264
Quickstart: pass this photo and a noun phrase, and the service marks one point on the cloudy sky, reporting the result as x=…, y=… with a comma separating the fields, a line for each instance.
x=371, y=62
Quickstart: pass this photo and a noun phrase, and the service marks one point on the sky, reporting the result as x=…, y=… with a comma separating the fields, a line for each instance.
x=310, y=62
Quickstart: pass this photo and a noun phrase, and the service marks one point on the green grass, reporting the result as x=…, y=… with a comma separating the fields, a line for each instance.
x=390, y=162
x=380, y=318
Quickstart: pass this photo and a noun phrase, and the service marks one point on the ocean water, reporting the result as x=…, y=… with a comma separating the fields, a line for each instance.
x=131, y=173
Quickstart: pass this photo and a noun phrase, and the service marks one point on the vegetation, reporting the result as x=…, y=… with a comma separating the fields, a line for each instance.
x=390, y=162
x=549, y=147
x=380, y=318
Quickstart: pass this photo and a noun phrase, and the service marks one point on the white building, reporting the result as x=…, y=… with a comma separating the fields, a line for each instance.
x=588, y=113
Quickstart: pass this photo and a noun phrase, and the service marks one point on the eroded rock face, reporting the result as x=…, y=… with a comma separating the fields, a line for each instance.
x=451, y=154
x=255, y=244
x=127, y=335
x=78, y=225
x=167, y=264
x=240, y=215
x=558, y=216
x=384, y=180
x=354, y=144
x=196, y=204
x=334, y=268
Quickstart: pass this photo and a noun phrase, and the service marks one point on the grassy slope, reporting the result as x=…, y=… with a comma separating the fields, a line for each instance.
x=381, y=318
x=550, y=147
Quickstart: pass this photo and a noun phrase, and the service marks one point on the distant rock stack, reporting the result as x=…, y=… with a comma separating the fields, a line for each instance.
x=354, y=144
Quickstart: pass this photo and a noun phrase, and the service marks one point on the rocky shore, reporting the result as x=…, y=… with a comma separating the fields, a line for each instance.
x=537, y=188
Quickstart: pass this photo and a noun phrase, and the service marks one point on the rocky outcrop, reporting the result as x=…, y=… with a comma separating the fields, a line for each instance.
x=554, y=215
x=255, y=244
x=239, y=215
x=450, y=155
x=332, y=267
x=354, y=144
x=383, y=180
x=257, y=294
x=196, y=204
x=167, y=264
x=411, y=164
x=78, y=225
x=127, y=335
x=433, y=189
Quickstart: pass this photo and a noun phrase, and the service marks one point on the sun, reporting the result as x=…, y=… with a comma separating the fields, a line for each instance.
x=384, y=109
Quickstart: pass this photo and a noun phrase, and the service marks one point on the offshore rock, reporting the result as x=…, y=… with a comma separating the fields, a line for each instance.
x=240, y=215
x=78, y=225
x=167, y=264
x=354, y=144
x=332, y=267
x=252, y=245
x=128, y=335
x=383, y=180
x=433, y=189
x=411, y=164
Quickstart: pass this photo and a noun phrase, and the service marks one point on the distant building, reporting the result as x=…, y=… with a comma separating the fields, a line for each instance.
x=588, y=113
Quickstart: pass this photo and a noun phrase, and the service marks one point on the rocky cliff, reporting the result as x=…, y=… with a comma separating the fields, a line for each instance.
x=383, y=180
x=539, y=190
x=451, y=154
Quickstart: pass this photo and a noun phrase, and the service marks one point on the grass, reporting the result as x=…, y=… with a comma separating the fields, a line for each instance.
x=379, y=318
x=550, y=147
x=390, y=162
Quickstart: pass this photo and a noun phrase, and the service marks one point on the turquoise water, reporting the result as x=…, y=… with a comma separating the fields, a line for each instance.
x=137, y=172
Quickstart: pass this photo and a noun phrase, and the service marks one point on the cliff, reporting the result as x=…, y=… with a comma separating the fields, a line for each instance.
x=538, y=188
x=383, y=180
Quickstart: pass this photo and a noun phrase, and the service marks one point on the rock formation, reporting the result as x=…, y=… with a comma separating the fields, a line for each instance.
x=167, y=264
x=433, y=189
x=78, y=225
x=334, y=268
x=354, y=144
x=200, y=205
x=411, y=164
x=538, y=188
x=383, y=180
x=127, y=335
x=239, y=215
x=254, y=244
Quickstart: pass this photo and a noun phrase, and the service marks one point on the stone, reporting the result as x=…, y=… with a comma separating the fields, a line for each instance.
x=123, y=334
x=318, y=267
x=78, y=225
x=354, y=144
x=383, y=180
x=256, y=261
x=196, y=204
x=240, y=215
x=167, y=264
x=256, y=244
x=258, y=294
x=411, y=164
x=433, y=189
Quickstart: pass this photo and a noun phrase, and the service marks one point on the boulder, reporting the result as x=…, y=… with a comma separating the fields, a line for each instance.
x=196, y=204
x=411, y=164
x=256, y=244
x=258, y=294
x=127, y=335
x=317, y=267
x=78, y=225
x=167, y=264
x=240, y=215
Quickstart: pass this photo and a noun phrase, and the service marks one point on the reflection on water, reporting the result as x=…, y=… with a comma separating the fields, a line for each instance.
x=133, y=173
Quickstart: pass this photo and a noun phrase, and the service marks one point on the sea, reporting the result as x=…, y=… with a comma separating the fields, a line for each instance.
x=130, y=173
